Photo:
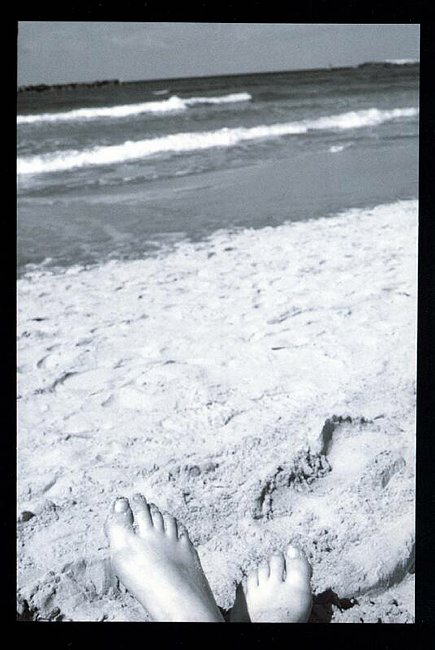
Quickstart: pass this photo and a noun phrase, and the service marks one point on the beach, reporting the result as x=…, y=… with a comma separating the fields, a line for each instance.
x=216, y=283
x=258, y=384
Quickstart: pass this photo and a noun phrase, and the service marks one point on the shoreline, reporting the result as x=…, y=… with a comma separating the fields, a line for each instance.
x=259, y=385
x=194, y=206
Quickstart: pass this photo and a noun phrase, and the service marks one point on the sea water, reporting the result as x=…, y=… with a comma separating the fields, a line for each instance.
x=121, y=170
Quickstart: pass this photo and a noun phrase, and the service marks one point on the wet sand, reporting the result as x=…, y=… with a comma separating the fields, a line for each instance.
x=91, y=225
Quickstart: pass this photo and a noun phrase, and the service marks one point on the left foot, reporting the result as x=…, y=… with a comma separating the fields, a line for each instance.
x=277, y=592
x=158, y=564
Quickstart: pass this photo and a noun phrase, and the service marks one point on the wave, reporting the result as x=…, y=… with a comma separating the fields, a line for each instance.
x=402, y=61
x=172, y=104
x=195, y=141
x=337, y=148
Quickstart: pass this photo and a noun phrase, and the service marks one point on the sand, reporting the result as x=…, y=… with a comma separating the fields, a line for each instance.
x=260, y=386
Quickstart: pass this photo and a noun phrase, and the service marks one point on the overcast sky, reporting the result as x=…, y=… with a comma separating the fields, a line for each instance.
x=60, y=52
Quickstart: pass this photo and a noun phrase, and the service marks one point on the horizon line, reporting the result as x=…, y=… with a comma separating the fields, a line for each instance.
x=387, y=62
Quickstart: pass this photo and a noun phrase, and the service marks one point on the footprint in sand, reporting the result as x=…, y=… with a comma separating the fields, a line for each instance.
x=356, y=451
x=274, y=498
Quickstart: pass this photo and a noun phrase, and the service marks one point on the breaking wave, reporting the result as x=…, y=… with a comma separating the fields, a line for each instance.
x=200, y=140
x=172, y=104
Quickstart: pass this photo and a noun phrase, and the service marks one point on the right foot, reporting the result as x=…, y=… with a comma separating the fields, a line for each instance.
x=158, y=564
x=277, y=592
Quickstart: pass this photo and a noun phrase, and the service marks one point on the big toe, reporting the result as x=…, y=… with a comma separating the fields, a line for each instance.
x=119, y=523
x=298, y=569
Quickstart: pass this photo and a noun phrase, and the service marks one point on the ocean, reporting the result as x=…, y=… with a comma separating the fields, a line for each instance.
x=125, y=171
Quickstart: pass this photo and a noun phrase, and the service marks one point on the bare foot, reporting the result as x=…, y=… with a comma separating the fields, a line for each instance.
x=158, y=564
x=277, y=592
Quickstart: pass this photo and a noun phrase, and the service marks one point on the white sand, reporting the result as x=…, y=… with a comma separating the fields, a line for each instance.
x=260, y=387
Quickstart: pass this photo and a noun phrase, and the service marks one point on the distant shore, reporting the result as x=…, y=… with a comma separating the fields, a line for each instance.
x=38, y=88
x=116, y=82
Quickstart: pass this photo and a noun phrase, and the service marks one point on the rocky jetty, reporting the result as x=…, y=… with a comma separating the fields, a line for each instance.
x=38, y=88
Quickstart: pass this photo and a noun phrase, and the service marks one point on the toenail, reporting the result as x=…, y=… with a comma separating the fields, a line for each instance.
x=121, y=505
x=292, y=552
x=138, y=497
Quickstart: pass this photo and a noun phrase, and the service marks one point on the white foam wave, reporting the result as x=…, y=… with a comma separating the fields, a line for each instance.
x=172, y=104
x=224, y=99
x=336, y=148
x=402, y=61
x=185, y=142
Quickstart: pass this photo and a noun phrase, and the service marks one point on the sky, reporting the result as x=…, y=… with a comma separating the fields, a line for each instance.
x=61, y=52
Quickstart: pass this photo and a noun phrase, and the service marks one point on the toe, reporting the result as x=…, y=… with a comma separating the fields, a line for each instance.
x=170, y=524
x=156, y=517
x=277, y=566
x=252, y=580
x=297, y=559
x=298, y=569
x=293, y=552
x=121, y=514
x=141, y=512
x=182, y=533
x=119, y=523
x=263, y=573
